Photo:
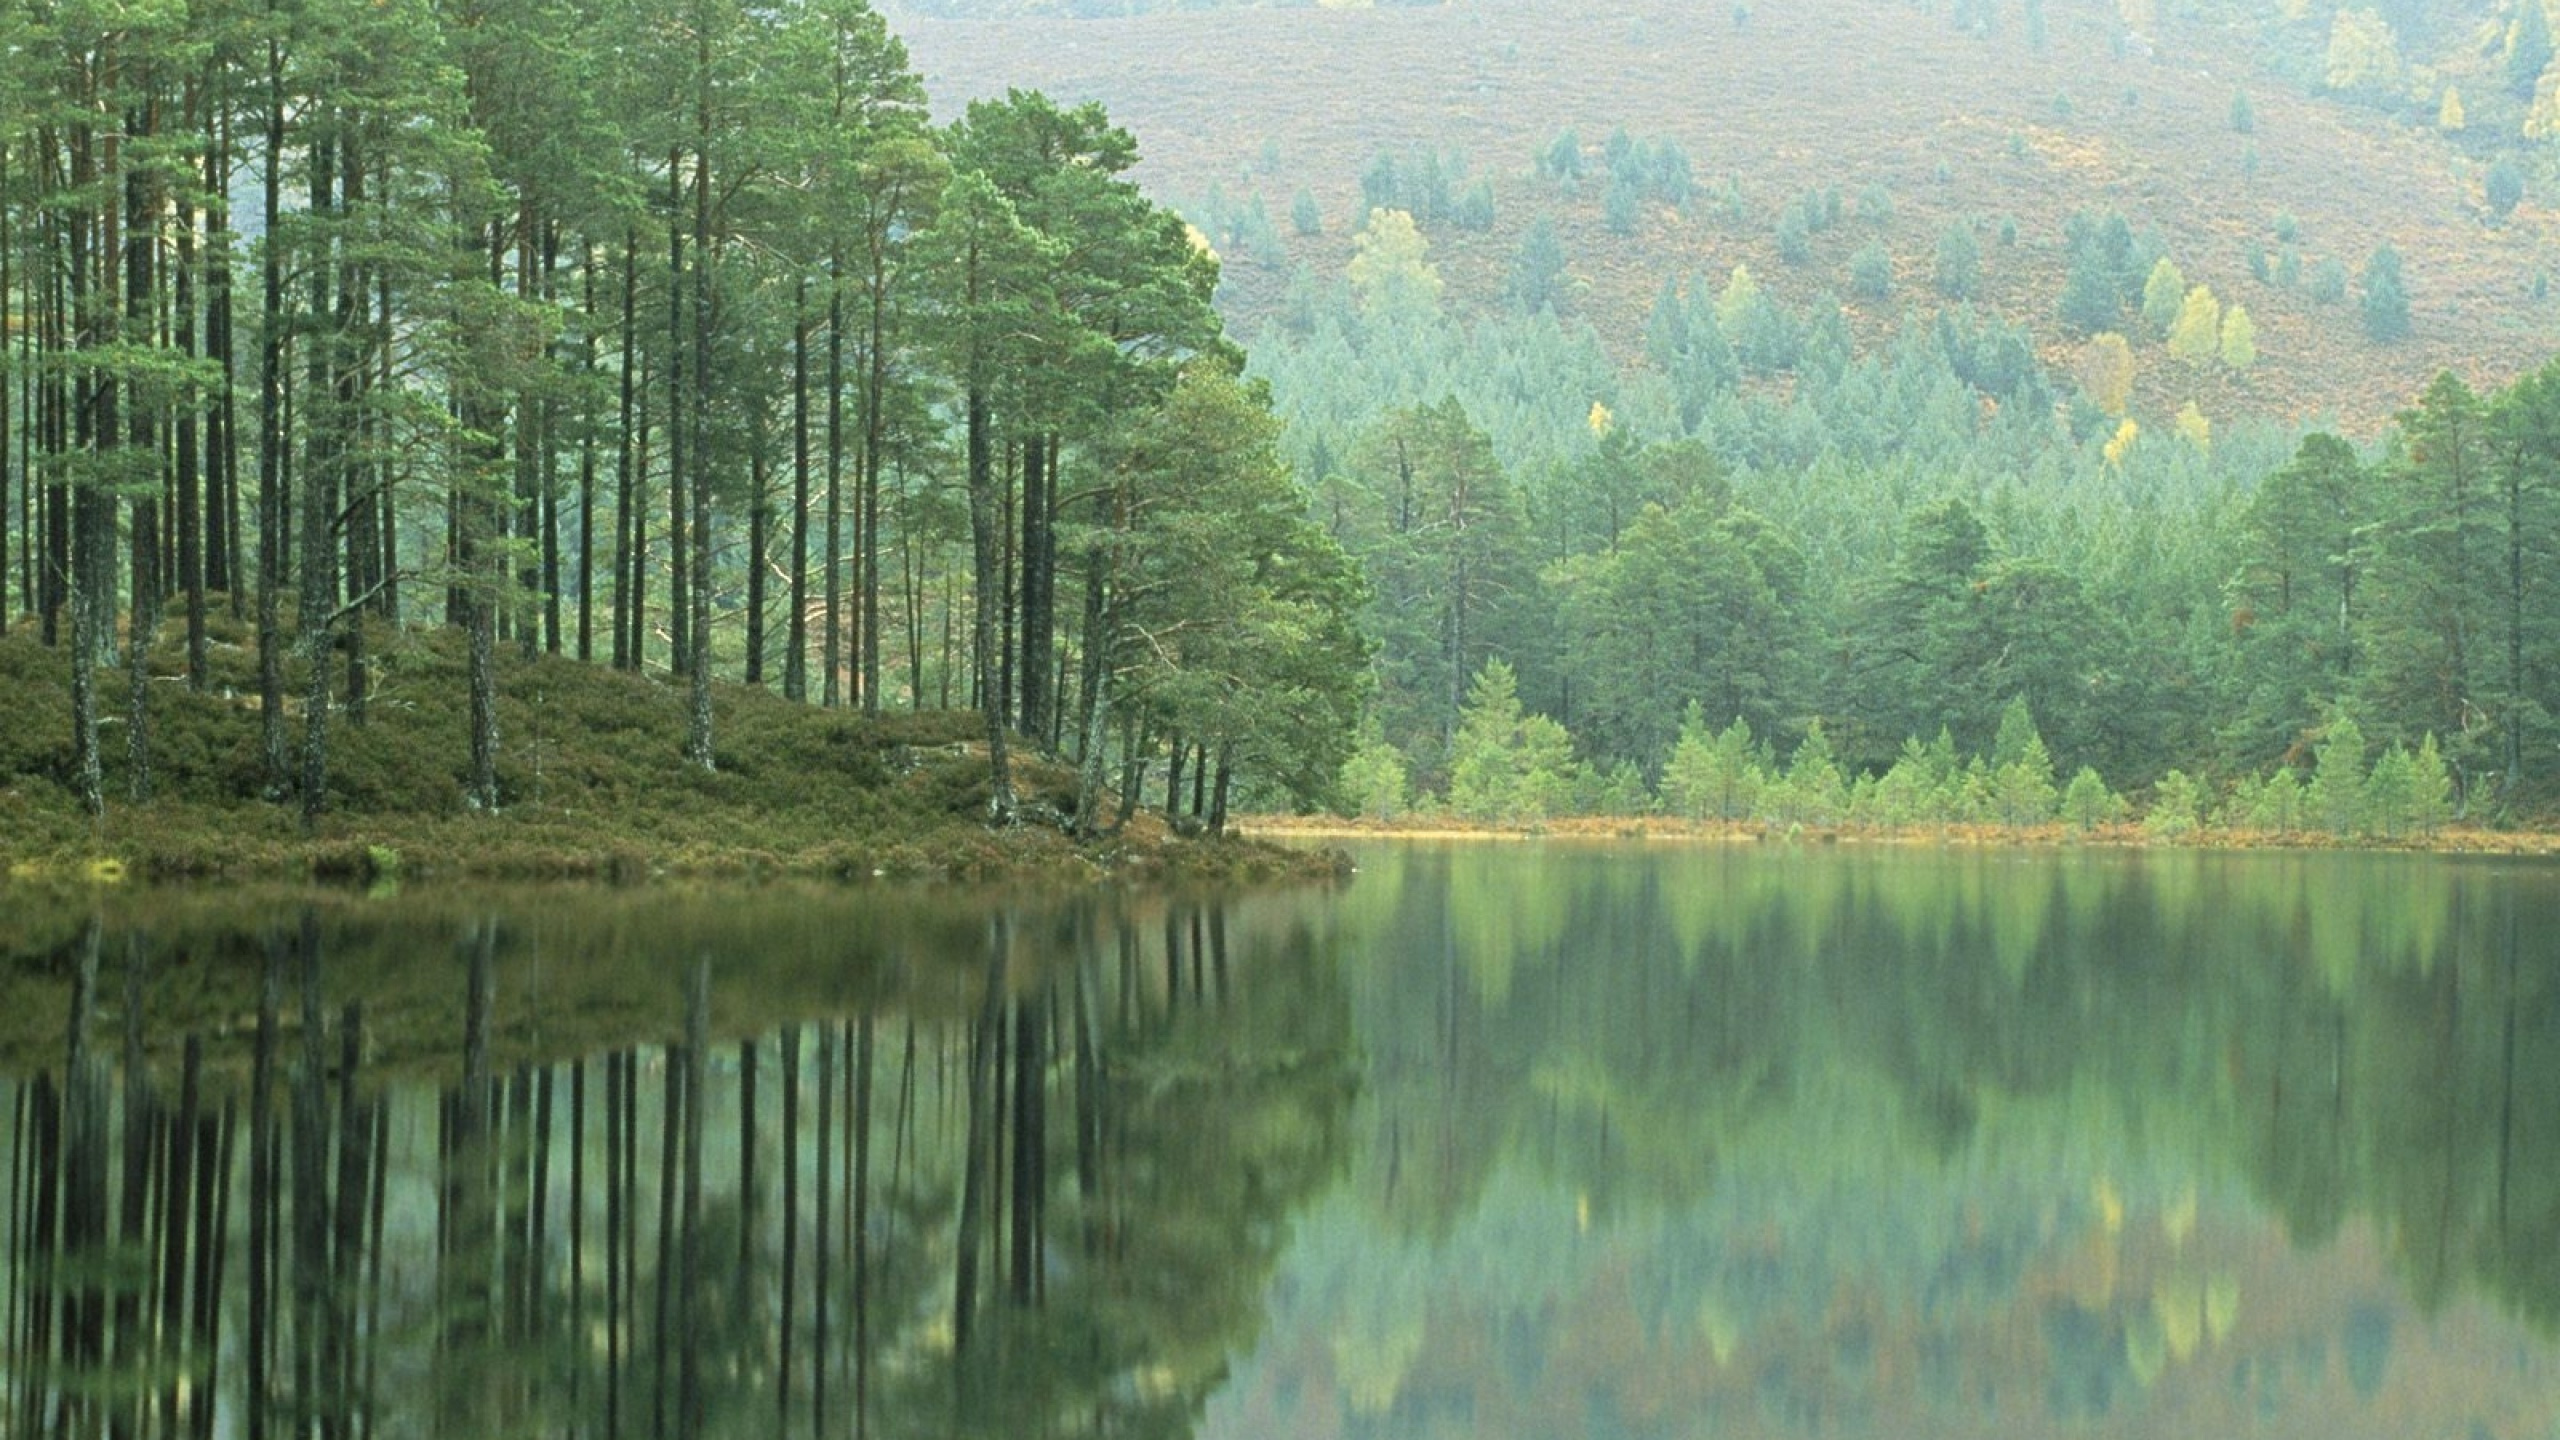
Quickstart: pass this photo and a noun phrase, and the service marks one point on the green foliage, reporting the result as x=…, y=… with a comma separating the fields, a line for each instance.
x=1538, y=271
x=2391, y=794
x=1304, y=215
x=2329, y=281
x=2430, y=787
x=1622, y=206
x=1815, y=792
x=2022, y=781
x=2176, y=803
x=2276, y=804
x=1561, y=160
x=2504, y=186
x=1427, y=511
x=1712, y=776
x=2335, y=800
x=1699, y=596
x=2108, y=268
x=2163, y=293
x=1875, y=205
x=1505, y=764
x=2244, y=117
x=2087, y=803
x=1617, y=791
x=1795, y=243
x=2386, y=299
x=1958, y=272
x=1374, y=784
x=2295, y=597
x=1871, y=273
x=1231, y=617
x=1430, y=185
x=1954, y=631
x=2529, y=49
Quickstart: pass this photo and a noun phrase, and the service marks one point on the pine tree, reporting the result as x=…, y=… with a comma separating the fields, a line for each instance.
x=1958, y=273
x=2175, y=805
x=2528, y=48
x=2336, y=798
x=2087, y=803
x=2021, y=768
x=2386, y=300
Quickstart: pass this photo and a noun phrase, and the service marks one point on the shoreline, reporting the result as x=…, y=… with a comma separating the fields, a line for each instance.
x=2449, y=840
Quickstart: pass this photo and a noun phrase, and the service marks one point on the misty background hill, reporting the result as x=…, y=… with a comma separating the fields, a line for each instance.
x=2267, y=151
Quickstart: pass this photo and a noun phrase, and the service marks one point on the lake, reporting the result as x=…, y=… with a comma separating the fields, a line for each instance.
x=1498, y=1139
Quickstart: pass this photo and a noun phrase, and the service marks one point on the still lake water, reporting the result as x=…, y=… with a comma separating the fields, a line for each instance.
x=1498, y=1140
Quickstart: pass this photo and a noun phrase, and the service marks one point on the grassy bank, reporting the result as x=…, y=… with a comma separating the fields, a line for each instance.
x=591, y=784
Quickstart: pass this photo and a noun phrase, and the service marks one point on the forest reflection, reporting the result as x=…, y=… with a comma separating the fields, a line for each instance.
x=1028, y=1176
x=1777, y=1141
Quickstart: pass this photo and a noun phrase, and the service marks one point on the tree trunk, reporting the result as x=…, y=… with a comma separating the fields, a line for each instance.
x=679, y=440
x=587, y=454
x=271, y=443
x=697, y=742
x=759, y=548
x=1094, y=701
x=546, y=453
x=141, y=305
x=986, y=540
x=630, y=505
x=831, y=639
x=1218, y=792
x=190, y=476
x=1039, y=584
x=322, y=456
x=795, y=659
x=874, y=441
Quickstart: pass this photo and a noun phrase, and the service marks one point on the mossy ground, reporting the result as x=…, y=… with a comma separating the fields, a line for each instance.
x=591, y=782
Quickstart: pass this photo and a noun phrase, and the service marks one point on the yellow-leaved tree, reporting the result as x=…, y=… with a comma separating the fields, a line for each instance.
x=2542, y=120
x=2239, y=338
x=2364, y=56
x=2161, y=294
x=2194, y=428
x=2106, y=372
x=1741, y=292
x=2198, y=331
x=2122, y=443
x=1389, y=273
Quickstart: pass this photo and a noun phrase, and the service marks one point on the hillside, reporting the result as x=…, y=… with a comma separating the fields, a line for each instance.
x=1991, y=130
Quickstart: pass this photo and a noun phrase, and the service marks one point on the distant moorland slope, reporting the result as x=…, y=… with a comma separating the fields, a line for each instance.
x=2213, y=129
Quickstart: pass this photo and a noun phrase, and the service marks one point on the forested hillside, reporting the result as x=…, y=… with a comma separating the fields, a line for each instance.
x=2214, y=130
x=1654, y=358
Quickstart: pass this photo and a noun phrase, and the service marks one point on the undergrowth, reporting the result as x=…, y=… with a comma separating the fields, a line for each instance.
x=591, y=781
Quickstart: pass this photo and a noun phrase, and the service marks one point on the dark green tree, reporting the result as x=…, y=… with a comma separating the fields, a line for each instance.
x=1537, y=271
x=2386, y=299
x=2528, y=50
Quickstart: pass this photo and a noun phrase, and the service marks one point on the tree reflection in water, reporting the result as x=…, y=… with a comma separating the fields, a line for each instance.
x=1033, y=1183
